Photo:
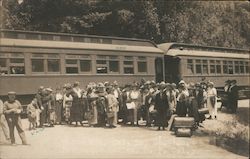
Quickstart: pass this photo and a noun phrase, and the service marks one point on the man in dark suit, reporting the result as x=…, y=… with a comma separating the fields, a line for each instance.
x=161, y=106
x=233, y=96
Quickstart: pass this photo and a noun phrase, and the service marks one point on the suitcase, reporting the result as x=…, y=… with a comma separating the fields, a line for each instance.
x=183, y=132
x=203, y=111
x=183, y=122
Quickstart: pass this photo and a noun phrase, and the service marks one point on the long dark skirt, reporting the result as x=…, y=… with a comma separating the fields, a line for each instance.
x=161, y=119
x=193, y=110
x=58, y=111
x=76, y=111
x=181, y=108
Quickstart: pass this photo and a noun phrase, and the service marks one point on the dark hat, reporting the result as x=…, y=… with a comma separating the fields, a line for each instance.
x=11, y=93
x=228, y=81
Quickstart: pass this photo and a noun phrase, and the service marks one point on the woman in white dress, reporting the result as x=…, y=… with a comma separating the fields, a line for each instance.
x=134, y=95
x=212, y=100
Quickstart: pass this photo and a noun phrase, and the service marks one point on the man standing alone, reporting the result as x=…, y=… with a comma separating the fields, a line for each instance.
x=12, y=109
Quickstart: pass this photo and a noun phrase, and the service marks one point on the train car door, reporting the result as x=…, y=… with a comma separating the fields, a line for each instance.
x=172, y=69
x=159, y=69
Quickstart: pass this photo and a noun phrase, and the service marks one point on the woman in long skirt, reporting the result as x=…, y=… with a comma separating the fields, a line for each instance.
x=67, y=104
x=182, y=100
x=91, y=112
x=212, y=100
x=134, y=96
x=59, y=105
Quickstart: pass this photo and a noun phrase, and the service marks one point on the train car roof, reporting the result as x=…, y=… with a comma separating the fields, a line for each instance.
x=167, y=46
x=76, y=45
x=80, y=35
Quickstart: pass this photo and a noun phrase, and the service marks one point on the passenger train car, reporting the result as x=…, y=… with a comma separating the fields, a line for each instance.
x=31, y=59
x=192, y=63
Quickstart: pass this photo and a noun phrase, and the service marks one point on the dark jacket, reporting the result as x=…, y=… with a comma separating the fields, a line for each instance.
x=161, y=103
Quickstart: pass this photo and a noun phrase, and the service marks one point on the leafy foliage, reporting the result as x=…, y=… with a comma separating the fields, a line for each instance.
x=223, y=23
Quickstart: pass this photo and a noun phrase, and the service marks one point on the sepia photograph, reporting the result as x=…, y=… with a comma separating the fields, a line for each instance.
x=124, y=79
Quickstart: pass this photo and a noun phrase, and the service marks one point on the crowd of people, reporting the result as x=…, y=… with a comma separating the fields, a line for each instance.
x=107, y=105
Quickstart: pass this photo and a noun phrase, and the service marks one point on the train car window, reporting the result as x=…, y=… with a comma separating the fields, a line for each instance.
x=190, y=66
x=198, y=66
x=236, y=67
x=212, y=66
x=128, y=65
x=242, y=70
x=247, y=67
x=17, y=70
x=53, y=65
x=230, y=67
x=37, y=65
x=16, y=65
x=85, y=65
x=101, y=65
x=113, y=66
x=142, y=66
